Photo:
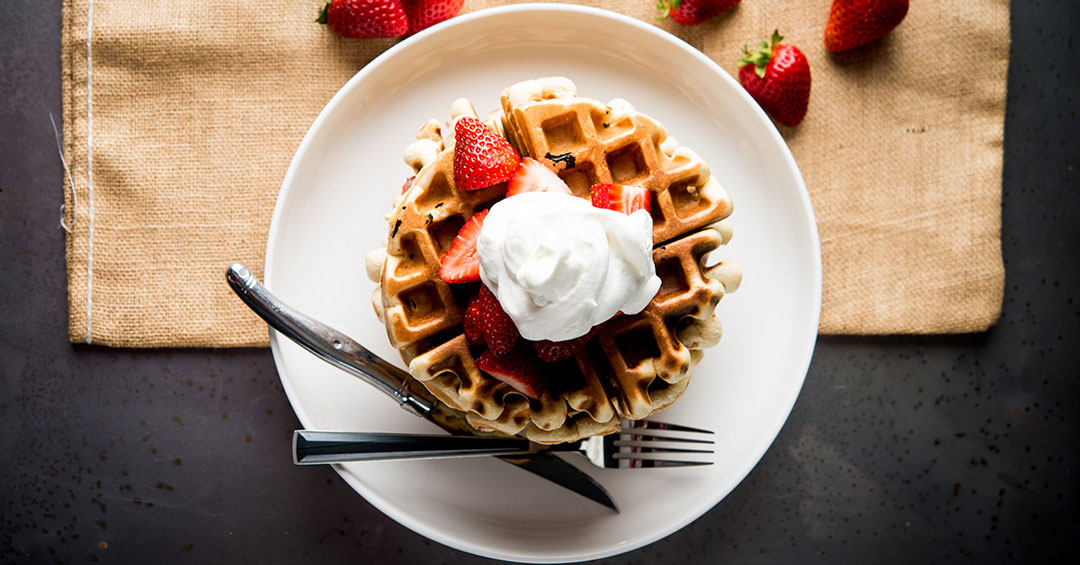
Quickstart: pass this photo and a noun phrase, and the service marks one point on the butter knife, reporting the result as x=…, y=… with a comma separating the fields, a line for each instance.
x=343, y=352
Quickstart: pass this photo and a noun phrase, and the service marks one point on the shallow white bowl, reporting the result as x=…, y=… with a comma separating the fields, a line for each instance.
x=346, y=174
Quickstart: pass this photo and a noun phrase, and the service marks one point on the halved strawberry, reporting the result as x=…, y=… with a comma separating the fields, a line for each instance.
x=481, y=156
x=532, y=176
x=460, y=263
x=517, y=369
x=621, y=198
x=408, y=184
x=555, y=351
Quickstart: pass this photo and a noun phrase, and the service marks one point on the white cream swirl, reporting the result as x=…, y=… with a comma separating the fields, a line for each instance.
x=559, y=266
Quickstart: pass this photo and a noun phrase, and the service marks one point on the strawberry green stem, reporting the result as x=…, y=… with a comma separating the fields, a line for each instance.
x=665, y=7
x=761, y=55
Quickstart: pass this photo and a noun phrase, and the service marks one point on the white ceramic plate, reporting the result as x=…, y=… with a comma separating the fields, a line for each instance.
x=346, y=174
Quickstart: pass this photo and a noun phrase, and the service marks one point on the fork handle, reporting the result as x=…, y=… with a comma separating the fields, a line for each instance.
x=319, y=447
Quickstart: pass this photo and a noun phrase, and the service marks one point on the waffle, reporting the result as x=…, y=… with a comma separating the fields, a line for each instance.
x=587, y=142
x=635, y=364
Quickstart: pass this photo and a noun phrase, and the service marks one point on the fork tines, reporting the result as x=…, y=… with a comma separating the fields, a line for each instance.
x=643, y=463
x=644, y=443
x=650, y=425
x=651, y=436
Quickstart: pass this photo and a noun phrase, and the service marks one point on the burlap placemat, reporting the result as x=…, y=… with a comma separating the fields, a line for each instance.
x=181, y=117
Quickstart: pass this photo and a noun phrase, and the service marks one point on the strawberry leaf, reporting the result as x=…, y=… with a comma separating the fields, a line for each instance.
x=760, y=56
x=665, y=7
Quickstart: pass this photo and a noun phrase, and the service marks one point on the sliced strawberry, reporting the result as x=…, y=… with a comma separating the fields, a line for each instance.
x=500, y=333
x=601, y=195
x=481, y=156
x=517, y=369
x=621, y=198
x=555, y=351
x=532, y=176
x=636, y=198
x=408, y=184
x=460, y=263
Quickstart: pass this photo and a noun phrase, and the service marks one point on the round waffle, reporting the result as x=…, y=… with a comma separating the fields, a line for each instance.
x=635, y=364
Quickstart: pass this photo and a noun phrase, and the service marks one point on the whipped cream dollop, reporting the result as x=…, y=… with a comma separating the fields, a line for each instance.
x=559, y=266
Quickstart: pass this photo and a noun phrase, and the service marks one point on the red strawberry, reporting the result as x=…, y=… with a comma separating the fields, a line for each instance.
x=408, y=184
x=471, y=323
x=517, y=369
x=460, y=263
x=481, y=156
x=555, y=351
x=691, y=12
x=857, y=22
x=494, y=324
x=361, y=19
x=532, y=176
x=621, y=198
x=426, y=13
x=777, y=76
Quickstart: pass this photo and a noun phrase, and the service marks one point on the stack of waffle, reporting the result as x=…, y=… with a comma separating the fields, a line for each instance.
x=635, y=364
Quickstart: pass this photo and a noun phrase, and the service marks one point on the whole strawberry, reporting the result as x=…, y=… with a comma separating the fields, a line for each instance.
x=486, y=321
x=692, y=12
x=363, y=19
x=777, y=76
x=857, y=22
x=426, y=13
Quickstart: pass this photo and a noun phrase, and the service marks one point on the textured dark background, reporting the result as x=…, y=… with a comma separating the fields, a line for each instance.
x=900, y=449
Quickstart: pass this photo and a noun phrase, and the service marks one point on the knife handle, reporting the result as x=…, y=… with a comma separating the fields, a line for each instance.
x=325, y=342
x=318, y=447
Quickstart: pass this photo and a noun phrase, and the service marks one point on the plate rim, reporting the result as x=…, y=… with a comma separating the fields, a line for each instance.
x=656, y=33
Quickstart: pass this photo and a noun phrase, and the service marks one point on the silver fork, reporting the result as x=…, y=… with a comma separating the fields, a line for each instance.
x=639, y=444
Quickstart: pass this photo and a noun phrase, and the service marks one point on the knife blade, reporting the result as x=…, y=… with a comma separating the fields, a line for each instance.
x=343, y=352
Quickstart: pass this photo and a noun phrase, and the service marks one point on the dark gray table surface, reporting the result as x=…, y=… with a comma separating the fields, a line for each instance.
x=899, y=449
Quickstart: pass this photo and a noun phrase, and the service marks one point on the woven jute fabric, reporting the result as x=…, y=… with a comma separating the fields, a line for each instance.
x=181, y=117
